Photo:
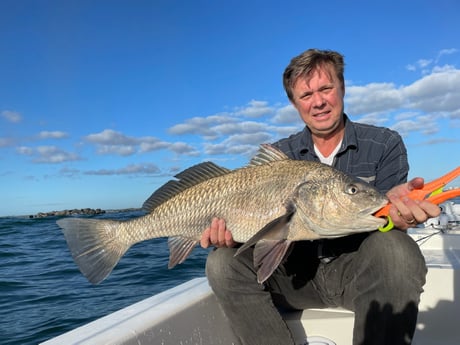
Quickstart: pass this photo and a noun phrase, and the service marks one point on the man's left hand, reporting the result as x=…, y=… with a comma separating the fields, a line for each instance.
x=407, y=213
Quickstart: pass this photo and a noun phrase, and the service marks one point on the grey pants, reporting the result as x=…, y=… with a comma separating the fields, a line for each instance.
x=381, y=281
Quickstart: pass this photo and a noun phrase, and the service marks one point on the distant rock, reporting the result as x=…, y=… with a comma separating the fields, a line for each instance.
x=67, y=213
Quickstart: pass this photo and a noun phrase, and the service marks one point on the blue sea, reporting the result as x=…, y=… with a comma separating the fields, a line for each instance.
x=43, y=294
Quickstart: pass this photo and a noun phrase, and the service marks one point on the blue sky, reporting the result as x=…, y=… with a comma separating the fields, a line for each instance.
x=101, y=102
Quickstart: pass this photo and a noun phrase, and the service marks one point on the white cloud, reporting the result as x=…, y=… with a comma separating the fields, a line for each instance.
x=249, y=138
x=131, y=169
x=286, y=115
x=225, y=149
x=110, y=137
x=110, y=142
x=52, y=135
x=435, y=92
x=53, y=154
x=11, y=116
x=69, y=172
x=423, y=123
x=201, y=125
x=24, y=150
x=240, y=127
x=183, y=149
x=119, y=150
x=255, y=109
x=423, y=63
x=371, y=98
x=376, y=119
x=233, y=133
x=5, y=142
x=446, y=52
x=47, y=154
x=149, y=144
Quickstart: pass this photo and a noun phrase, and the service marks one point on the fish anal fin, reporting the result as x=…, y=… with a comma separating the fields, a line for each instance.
x=268, y=254
x=179, y=249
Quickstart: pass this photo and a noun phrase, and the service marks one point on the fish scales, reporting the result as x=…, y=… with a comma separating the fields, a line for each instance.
x=270, y=203
x=232, y=197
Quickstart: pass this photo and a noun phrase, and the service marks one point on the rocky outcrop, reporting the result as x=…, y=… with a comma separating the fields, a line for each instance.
x=67, y=213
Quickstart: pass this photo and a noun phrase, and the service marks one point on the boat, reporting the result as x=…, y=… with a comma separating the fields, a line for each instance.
x=189, y=313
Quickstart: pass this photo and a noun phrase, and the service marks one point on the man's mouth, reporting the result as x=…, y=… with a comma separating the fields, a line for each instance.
x=322, y=114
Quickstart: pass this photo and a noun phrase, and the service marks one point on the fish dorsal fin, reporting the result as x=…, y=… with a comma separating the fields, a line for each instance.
x=188, y=178
x=267, y=153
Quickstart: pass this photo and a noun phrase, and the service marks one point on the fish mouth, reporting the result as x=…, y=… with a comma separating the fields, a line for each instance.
x=372, y=210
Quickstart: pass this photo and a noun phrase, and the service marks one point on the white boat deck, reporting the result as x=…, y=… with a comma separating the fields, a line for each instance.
x=189, y=314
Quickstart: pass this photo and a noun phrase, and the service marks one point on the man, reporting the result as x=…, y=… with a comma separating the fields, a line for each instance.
x=377, y=275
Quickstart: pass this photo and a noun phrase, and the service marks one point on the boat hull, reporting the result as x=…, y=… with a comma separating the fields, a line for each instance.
x=190, y=314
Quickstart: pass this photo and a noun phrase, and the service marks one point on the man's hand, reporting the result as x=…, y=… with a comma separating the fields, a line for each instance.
x=407, y=213
x=217, y=235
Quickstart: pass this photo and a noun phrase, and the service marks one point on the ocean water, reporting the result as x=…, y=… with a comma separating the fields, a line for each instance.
x=43, y=294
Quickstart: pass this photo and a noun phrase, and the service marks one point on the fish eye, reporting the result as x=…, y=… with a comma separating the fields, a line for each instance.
x=352, y=189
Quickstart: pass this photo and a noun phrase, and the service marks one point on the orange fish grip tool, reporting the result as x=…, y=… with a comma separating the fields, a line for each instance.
x=431, y=191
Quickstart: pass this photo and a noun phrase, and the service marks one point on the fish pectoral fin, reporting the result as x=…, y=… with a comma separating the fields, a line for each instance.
x=268, y=254
x=276, y=230
x=179, y=249
x=271, y=245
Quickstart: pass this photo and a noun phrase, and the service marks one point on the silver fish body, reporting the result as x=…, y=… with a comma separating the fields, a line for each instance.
x=270, y=203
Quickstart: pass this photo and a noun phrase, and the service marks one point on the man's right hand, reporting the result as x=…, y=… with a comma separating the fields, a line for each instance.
x=217, y=235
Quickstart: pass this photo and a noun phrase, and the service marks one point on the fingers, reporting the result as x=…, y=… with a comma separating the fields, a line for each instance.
x=217, y=235
x=218, y=232
x=415, y=183
x=407, y=213
x=402, y=212
x=205, y=241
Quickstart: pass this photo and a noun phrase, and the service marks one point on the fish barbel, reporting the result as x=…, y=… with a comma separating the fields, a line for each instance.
x=270, y=203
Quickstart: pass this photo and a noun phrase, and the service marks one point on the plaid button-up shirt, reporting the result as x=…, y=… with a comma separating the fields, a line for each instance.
x=376, y=155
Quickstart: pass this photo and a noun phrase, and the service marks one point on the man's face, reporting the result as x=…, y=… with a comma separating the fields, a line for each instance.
x=319, y=100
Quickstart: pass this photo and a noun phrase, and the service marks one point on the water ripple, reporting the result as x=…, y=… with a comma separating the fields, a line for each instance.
x=43, y=294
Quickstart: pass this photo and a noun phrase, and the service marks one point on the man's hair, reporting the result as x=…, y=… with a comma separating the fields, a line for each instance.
x=306, y=63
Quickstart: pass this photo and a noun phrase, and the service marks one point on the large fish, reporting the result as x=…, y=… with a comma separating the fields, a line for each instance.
x=270, y=203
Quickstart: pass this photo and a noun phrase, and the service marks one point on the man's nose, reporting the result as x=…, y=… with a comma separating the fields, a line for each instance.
x=318, y=99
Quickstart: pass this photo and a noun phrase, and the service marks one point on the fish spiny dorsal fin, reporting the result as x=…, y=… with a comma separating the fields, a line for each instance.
x=267, y=153
x=185, y=179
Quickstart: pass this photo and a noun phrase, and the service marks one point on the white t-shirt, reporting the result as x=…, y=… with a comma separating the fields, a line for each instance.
x=330, y=159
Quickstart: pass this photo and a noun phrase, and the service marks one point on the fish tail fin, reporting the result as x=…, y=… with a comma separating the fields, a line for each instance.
x=95, y=245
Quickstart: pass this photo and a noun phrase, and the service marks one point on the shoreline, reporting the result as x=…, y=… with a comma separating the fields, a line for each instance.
x=73, y=212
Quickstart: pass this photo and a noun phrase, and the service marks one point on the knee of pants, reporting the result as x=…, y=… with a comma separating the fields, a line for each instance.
x=222, y=266
x=396, y=253
x=216, y=264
